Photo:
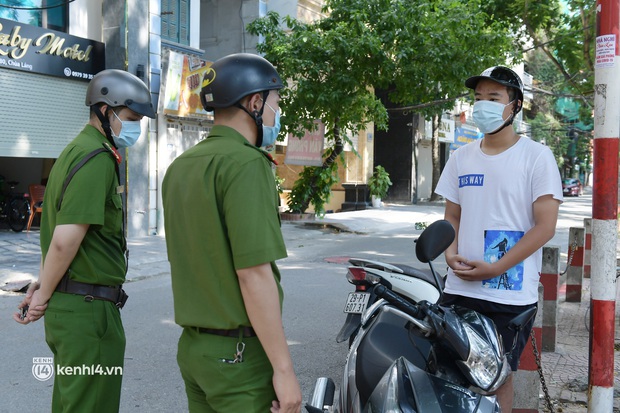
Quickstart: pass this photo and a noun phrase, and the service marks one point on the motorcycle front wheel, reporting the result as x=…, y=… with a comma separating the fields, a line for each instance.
x=18, y=214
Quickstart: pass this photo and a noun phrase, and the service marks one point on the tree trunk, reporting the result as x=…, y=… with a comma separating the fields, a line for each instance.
x=415, y=120
x=435, y=157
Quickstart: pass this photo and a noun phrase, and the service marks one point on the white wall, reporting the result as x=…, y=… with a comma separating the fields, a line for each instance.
x=424, y=168
x=85, y=19
x=194, y=22
x=221, y=27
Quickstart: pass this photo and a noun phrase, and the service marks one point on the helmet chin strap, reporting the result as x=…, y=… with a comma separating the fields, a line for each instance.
x=507, y=121
x=105, y=124
x=257, y=115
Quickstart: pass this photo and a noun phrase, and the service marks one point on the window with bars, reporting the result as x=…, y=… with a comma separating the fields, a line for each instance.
x=175, y=21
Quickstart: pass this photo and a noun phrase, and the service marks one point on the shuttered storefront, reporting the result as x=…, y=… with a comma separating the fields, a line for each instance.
x=39, y=114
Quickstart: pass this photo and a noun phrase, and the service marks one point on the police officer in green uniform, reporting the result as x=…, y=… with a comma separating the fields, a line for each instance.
x=223, y=237
x=84, y=251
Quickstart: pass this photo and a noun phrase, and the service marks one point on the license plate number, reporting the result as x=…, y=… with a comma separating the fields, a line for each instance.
x=356, y=303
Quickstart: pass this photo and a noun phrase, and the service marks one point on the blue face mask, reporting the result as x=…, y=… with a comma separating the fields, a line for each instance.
x=270, y=133
x=129, y=134
x=488, y=115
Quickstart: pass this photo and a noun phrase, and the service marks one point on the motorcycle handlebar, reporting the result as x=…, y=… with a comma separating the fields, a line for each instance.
x=384, y=292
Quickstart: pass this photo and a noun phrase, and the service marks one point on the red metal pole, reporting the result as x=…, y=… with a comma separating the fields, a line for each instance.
x=604, y=207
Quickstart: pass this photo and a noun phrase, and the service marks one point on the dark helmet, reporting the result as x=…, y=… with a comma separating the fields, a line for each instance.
x=501, y=75
x=119, y=88
x=235, y=76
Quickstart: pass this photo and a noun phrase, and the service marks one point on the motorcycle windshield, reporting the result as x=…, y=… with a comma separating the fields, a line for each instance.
x=406, y=388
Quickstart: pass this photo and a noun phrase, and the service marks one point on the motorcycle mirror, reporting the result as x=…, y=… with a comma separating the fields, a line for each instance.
x=434, y=240
x=517, y=323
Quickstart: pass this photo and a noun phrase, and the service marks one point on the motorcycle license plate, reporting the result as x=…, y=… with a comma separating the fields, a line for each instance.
x=356, y=303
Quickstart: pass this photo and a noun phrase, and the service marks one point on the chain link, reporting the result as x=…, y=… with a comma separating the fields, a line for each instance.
x=543, y=382
x=571, y=254
x=540, y=373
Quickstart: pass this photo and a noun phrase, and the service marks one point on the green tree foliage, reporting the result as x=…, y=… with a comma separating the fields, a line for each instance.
x=379, y=182
x=302, y=193
x=564, y=31
x=420, y=51
x=546, y=127
x=559, y=38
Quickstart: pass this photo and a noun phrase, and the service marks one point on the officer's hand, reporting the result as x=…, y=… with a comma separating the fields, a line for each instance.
x=17, y=316
x=36, y=305
x=288, y=393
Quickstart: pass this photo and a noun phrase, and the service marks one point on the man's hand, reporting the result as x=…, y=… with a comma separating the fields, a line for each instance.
x=457, y=262
x=476, y=271
x=35, y=303
x=262, y=304
x=288, y=393
x=65, y=243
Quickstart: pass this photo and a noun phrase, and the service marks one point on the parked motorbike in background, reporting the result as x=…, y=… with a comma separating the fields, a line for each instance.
x=408, y=354
x=14, y=207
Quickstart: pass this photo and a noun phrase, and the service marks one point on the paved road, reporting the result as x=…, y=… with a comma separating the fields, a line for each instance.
x=314, y=284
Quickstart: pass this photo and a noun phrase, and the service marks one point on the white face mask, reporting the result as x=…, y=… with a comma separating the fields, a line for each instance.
x=488, y=115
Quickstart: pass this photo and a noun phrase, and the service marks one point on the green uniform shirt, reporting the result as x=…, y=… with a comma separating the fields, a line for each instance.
x=221, y=214
x=91, y=198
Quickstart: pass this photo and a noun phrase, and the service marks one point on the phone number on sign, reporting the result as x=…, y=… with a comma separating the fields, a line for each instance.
x=81, y=75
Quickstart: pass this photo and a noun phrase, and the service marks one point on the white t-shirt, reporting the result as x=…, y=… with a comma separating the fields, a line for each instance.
x=496, y=193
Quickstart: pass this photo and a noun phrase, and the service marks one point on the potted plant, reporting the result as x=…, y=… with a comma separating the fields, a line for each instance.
x=378, y=185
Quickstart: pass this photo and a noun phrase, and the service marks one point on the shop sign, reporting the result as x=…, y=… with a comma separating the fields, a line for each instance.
x=445, y=130
x=39, y=50
x=182, y=84
x=307, y=150
x=445, y=133
x=465, y=135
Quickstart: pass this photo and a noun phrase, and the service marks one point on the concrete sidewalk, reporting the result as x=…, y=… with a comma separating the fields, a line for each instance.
x=566, y=369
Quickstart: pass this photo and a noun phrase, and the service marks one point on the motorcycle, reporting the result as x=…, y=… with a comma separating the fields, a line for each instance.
x=409, y=354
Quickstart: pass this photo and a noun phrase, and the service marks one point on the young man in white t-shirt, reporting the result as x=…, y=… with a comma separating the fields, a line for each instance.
x=502, y=196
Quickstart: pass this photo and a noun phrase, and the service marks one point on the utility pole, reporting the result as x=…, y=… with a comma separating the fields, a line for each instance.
x=604, y=207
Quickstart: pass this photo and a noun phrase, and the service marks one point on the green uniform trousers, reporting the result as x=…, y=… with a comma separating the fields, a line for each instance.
x=216, y=386
x=88, y=343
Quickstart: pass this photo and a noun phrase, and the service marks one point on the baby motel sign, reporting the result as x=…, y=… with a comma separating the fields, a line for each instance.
x=39, y=50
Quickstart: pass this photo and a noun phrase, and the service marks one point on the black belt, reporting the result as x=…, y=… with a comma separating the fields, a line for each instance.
x=246, y=331
x=93, y=291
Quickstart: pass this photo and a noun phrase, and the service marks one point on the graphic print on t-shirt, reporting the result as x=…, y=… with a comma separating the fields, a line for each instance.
x=496, y=244
x=471, y=180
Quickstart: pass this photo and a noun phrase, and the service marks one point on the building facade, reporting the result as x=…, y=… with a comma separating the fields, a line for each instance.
x=405, y=149
x=164, y=42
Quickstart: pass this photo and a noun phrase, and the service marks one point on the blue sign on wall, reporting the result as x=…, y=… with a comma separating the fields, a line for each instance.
x=463, y=135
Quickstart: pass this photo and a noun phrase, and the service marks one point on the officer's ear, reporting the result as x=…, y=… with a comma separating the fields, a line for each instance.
x=101, y=108
x=255, y=102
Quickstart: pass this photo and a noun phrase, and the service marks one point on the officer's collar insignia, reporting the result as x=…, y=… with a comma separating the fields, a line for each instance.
x=113, y=152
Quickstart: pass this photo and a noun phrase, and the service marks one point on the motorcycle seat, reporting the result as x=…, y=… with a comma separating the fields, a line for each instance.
x=424, y=275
